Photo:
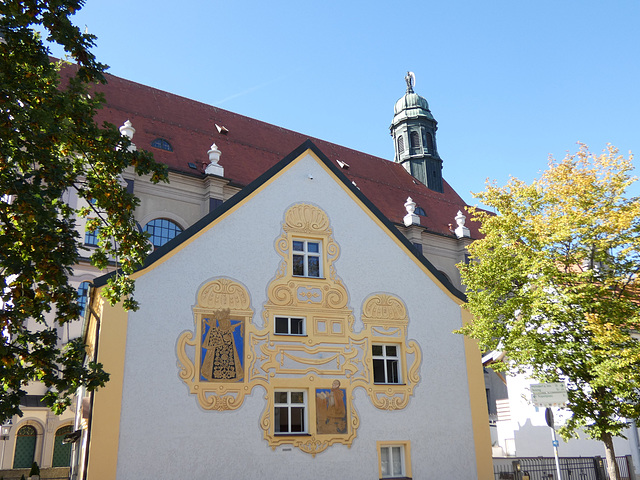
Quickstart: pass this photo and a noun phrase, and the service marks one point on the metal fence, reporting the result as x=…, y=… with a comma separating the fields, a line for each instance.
x=571, y=468
x=51, y=473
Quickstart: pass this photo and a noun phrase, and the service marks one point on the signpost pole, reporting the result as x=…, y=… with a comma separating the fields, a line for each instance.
x=555, y=451
x=546, y=395
x=548, y=416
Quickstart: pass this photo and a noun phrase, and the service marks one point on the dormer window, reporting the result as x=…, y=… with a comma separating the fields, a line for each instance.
x=162, y=144
x=420, y=211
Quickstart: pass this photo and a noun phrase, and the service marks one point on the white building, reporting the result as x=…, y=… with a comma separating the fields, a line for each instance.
x=389, y=237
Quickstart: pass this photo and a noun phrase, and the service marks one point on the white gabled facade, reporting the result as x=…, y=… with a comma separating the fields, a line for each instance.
x=330, y=400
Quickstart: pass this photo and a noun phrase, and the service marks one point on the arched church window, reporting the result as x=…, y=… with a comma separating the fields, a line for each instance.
x=61, y=451
x=162, y=144
x=414, y=139
x=25, y=447
x=162, y=230
x=400, y=144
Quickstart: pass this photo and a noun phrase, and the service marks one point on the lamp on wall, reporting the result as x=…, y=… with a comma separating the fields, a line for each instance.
x=5, y=429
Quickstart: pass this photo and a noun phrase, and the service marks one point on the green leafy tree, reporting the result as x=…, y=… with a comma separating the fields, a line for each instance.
x=50, y=145
x=554, y=285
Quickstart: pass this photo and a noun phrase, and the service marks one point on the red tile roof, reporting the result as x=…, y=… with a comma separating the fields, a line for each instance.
x=250, y=147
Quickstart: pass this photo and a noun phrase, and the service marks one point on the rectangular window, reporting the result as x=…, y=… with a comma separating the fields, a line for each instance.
x=393, y=461
x=306, y=258
x=290, y=326
x=91, y=238
x=386, y=364
x=290, y=412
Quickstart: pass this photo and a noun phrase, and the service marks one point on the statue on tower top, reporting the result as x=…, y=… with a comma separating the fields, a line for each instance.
x=411, y=81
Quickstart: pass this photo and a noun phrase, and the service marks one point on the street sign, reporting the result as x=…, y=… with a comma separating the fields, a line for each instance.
x=548, y=416
x=549, y=394
x=555, y=443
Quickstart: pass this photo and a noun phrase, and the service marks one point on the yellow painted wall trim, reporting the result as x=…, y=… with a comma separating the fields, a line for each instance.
x=478, y=399
x=107, y=402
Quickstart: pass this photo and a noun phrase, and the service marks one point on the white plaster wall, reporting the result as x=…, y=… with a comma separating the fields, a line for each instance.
x=164, y=433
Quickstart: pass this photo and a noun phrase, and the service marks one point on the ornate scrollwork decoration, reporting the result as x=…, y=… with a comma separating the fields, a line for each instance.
x=307, y=219
x=386, y=400
x=221, y=318
x=313, y=446
x=385, y=308
x=413, y=349
x=220, y=402
x=327, y=349
x=187, y=372
x=223, y=293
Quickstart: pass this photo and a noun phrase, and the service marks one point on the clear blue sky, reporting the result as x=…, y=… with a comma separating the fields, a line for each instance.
x=509, y=82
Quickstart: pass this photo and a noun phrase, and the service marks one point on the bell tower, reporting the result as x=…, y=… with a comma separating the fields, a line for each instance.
x=414, y=135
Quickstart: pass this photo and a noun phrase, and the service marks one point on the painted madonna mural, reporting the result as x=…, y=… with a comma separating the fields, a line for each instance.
x=222, y=348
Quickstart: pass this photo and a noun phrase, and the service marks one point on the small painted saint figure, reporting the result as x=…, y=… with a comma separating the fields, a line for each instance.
x=331, y=410
x=220, y=344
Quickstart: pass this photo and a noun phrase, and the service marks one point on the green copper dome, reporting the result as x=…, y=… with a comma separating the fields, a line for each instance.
x=411, y=105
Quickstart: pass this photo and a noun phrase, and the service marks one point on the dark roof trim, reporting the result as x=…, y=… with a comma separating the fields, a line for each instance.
x=257, y=183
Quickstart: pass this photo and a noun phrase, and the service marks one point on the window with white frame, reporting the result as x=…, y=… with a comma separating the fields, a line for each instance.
x=289, y=326
x=392, y=461
x=307, y=258
x=386, y=363
x=290, y=412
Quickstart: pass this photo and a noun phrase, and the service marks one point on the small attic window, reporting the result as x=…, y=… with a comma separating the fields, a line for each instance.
x=222, y=129
x=192, y=165
x=162, y=144
x=420, y=211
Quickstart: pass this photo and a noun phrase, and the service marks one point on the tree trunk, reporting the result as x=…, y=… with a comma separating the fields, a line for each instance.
x=612, y=465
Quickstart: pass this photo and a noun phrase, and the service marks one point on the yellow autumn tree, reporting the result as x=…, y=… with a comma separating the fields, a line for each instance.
x=554, y=282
